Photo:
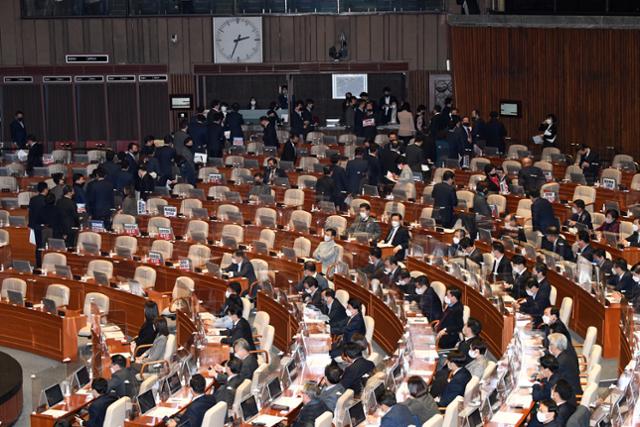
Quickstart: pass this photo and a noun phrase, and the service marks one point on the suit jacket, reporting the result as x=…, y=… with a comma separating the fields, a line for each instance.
x=98, y=410
x=266, y=174
x=388, y=160
x=241, y=329
x=531, y=178
x=423, y=407
x=354, y=325
x=520, y=285
x=495, y=133
x=534, y=306
x=339, y=176
x=480, y=205
x=37, y=212
x=401, y=238
x=398, y=415
x=369, y=226
x=166, y=156
x=315, y=299
x=625, y=285
x=415, y=157
x=270, y=136
x=146, y=334
x=215, y=139
x=331, y=394
x=34, y=157
x=100, y=199
x=476, y=256
x=226, y=392
x=356, y=374
x=455, y=387
x=123, y=383
x=583, y=218
x=568, y=367
x=322, y=283
x=558, y=328
x=337, y=316
x=542, y=215
x=591, y=171
x=356, y=174
x=444, y=201
x=542, y=390
x=451, y=320
x=249, y=365
x=580, y=418
x=561, y=247
x=564, y=412
x=68, y=215
x=504, y=270
x=246, y=270
x=634, y=239
x=289, y=153
x=197, y=408
x=297, y=122
x=430, y=305
x=309, y=413
x=586, y=252
x=18, y=133
x=234, y=122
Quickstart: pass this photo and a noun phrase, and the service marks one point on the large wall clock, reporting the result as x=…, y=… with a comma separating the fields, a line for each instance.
x=237, y=40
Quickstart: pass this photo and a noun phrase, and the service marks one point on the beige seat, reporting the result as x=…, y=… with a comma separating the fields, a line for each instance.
x=96, y=156
x=547, y=152
x=589, y=395
x=242, y=392
x=146, y=276
x=635, y=182
x=117, y=412
x=337, y=222
x=24, y=197
x=590, y=338
x=164, y=247
x=13, y=284
x=552, y=187
x=127, y=242
x=235, y=161
x=90, y=169
x=226, y=209
x=233, y=231
x=238, y=174
x=489, y=370
x=572, y=169
x=369, y=327
x=511, y=167
x=59, y=294
x=57, y=168
x=324, y=420
x=155, y=205
x=437, y=175
x=102, y=303
x=566, y=308
x=618, y=159
x=474, y=180
x=217, y=192
x=512, y=152
x=343, y=297
x=553, y=295
x=100, y=265
x=183, y=287
x=267, y=213
x=199, y=255
x=157, y=222
x=89, y=237
x=409, y=189
x=259, y=266
x=181, y=189
x=306, y=163
x=612, y=173
x=435, y=421
x=197, y=226
x=477, y=164
x=394, y=207
x=340, y=417
x=260, y=322
x=268, y=237
x=597, y=218
x=188, y=204
x=120, y=219
x=204, y=172
x=4, y=237
x=318, y=150
x=499, y=201
x=466, y=196
x=451, y=413
x=524, y=208
x=215, y=416
x=314, y=137
x=4, y=217
x=355, y=204
x=61, y=156
x=294, y=197
x=544, y=165
x=148, y=383
x=51, y=259
x=302, y=179
x=301, y=216
x=8, y=182
x=626, y=229
x=426, y=213
x=586, y=194
x=347, y=138
x=302, y=247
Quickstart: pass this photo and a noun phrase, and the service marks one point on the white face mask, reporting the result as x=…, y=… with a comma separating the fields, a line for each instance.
x=348, y=312
x=473, y=353
x=253, y=102
x=327, y=238
x=420, y=291
x=223, y=109
x=456, y=240
x=447, y=300
x=227, y=294
x=635, y=227
x=636, y=279
x=546, y=319
x=608, y=220
x=395, y=224
x=548, y=121
x=543, y=416
x=363, y=215
x=574, y=210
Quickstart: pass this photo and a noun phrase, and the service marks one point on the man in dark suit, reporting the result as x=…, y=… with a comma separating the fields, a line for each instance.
x=332, y=389
x=622, y=280
x=395, y=414
x=100, y=199
x=634, y=238
x=562, y=393
x=389, y=155
x=307, y=117
x=272, y=171
x=309, y=270
x=335, y=311
x=551, y=324
x=535, y=302
x=517, y=285
x=241, y=267
x=470, y=330
x=589, y=161
x=226, y=391
x=312, y=405
x=166, y=156
x=234, y=121
x=353, y=325
x=580, y=215
x=585, y=250
x=241, y=351
x=375, y=267
x=69, y=218
x=339, y=176
x=605, y=265
x=269, y=135
x=445, y=200
x=415, y=154
x=458, y=378
x=38, y=217
x=313, y=293
x=131, y=158
x=215, y=135
x=123, y=379
x=542, y=215
x=495, y=132
x=18, y=130
x=391, y=271
x=553, y=242
x=34, y=157
x=358, y=117
x=539, y=273
x=98, y=408
x=547, y=377
x=501, y=269
x=450, y=324
x=470, y=251
x=397, y=237
x=371, y=156
x=356, y=172
x=199, y=405
x=455, y=249
x=428, y=300
x=297, y=119
x=385, y=105
x=530, y=177
x=358, y=368
x=567, y=361
x=289, y=152
x=240, y=328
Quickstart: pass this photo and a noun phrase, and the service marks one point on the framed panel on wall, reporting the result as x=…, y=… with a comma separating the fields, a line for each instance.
x=28, y=99
x=91, y=112
x=240, y=89
x=154, y=109
x=123, y=111
x=59, y=120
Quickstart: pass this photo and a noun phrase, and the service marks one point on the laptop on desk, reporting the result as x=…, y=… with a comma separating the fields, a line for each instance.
x=22, y=266
x=146, y=401
x=49, y=306
x=249, y=409
x=53, y=395
x=356, y=414
x=15, y=297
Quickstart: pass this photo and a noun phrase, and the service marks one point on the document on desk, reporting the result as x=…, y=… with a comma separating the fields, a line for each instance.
x=214, y=339
x=161, y=412
x=504, y=417
x=417, y=320
x=320, y=336
x=290, y=402
x=520, y=400
x=267, y=420
x=205, y=315
x=55, y=413
x=425, y=354
x=114, y=335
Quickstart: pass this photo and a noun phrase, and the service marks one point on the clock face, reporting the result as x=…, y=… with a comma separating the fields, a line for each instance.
x=237, y=39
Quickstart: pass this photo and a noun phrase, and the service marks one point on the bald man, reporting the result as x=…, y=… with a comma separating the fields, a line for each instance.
x=530, y=177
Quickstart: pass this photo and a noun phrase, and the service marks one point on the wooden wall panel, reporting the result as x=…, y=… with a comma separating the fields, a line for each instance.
x=589, y=78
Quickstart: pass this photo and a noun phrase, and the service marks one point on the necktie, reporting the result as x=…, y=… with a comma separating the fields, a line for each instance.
x=392, y=235
x=239, y=265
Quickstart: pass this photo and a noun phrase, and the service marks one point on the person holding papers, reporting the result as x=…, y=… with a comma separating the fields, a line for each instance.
x=398, y=237
x=199, y=405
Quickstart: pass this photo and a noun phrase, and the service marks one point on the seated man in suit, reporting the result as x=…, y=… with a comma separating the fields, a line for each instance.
x=353, y=325
x=123, y=379
x=395, y=414
x=358, y=368
x=312, y=293
x=429, y=301
x=555, y=243
x=540, y=274
x=242, y=352
x=580, y=215
x=327, y=252
x=568, y=365
x=565, y=399
x=335, y=311
x=333, y=389
x=405, y=283
x=309, y=270
x=457, y=380
x=364, y=223
x=98, y=408
x=470, y=330
x=516, y=286
x=240, y=328
x=501, y=269
x=477, y=357
x=551, y=324
x=272, y=171
x=375, y=267
x=470, y=251
x=634, y=239
x=585, y=249
x=199, y=405
x=546, y=414
x=312, y=405
x=241, y=267
x=455, y=248
x=603, y=263
x=535, y=302
x=398, y=237
x=259, y=187
x=391, y=271
x=589, y=161
x=542, y=215
x=226, y=391
x=622, y=280
x=449, y=326
x=232, y=297
x=546, y=378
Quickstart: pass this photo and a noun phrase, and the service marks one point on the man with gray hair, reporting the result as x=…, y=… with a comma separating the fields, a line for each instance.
x=568, y=366
x=312, y=406
x=242, y=351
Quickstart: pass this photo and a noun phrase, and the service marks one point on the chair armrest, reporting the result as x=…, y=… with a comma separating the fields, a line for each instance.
x=151, y=363
x=265, y=352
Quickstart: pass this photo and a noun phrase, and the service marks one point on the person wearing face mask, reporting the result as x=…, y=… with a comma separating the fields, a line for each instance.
x=445, y=200
x=353, y=325
x=470, y=251
x=579, y=215
x=241, y=267
x=454, y=249
x=584, y=248
x=18, y=130
x=406, y=285
x=517, y=286
x=555, y=243
x=406, y=174
x=611, y=223
x=98, y=407
x=226, y=390
x=470, y=330
x=369, y=122
x=491, y=178
x=232, y=298
x=549, y=129
x=551, y=324
x=365, y=223
x=397, y=237
x=333, y=309
x=260, y=188
x=428, y=300
x=283, y=98
x=327, y=251
x=534, y=303
x=289, y=152
x=253, y=104
x=477, y=359
x=450, y=325
x=394, y=414
x=480, y=204
x=307, y=117
x=385, y=105
x=358, y=368
x=234, y=121
x=242, y=352
x=565, y=398
x=420, y=402
x=215, y=135
x=501, y=269
x=589, y=162
x=240, y=328
x=545, y=415
x=309, y=270
x=375, y=267
x=312, y=293
x=269, y=133
x=540, y=271
x=546, y=378
x=603, y=263
x=389, y=155
x=634, y=239
x=132, y=158
x=622, y=280
x=458, y=378
x=297, y=119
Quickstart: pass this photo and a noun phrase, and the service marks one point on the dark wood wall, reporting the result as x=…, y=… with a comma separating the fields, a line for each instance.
x=419, y=39
x=589, y=78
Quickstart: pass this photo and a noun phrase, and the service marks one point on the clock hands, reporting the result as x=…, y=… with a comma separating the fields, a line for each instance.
x=236, y=41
